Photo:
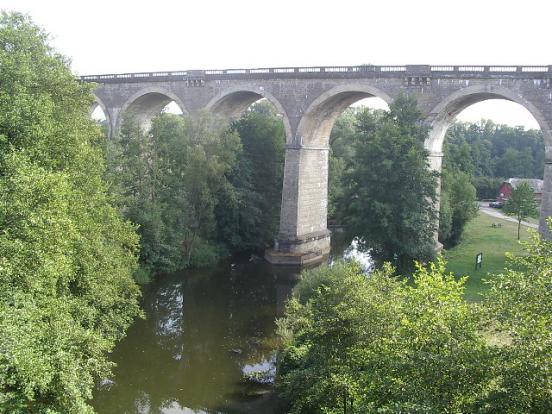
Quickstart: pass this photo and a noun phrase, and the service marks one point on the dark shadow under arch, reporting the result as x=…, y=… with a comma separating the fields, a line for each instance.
x=147, y=103
x=232, y=103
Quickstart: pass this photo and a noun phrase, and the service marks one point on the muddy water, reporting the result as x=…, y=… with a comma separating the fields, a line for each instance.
x=208, y=341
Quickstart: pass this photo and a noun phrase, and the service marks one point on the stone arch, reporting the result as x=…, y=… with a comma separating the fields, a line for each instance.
x=444, y=113
x=148, y=102
x=99, y=103
x=233, y=102
x=304, y=236
x=316, y=124
x=442, y=116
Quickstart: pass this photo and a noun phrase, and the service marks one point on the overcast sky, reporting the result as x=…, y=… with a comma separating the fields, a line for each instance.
x=131, y=36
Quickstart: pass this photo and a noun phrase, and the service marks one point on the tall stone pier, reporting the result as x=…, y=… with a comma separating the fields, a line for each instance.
x=304, y=237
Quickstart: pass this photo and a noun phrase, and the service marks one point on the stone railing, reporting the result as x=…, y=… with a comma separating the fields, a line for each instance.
x=328, y=72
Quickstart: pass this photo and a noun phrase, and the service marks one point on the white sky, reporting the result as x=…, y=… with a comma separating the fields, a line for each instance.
x=130, y=36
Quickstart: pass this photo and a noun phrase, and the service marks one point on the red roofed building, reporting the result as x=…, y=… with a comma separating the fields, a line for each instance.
x=507, y=186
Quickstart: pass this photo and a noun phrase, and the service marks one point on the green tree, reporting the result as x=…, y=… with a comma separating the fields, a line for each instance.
x=248, y=215
x=521, y=204
x=353, y=343
x=519, y=303
x=66, y=256
x=390, y=192
x=485, y=149
x=487, y=187
x=341, y=151
x=168, y=180
x=357, y=344
x=458, y=206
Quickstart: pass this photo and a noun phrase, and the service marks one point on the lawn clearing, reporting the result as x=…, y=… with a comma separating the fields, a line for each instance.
x=493, y=242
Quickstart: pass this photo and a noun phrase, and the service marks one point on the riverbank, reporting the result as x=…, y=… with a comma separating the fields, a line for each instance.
x=481, y=237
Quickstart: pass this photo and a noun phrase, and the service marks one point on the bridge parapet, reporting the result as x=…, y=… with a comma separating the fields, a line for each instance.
x=361, y=71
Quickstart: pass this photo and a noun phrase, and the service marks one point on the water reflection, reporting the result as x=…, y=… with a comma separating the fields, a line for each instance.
x=263, y=372
x=171, y=407
x=364, y=258
x=341, y=249
x=207, y=344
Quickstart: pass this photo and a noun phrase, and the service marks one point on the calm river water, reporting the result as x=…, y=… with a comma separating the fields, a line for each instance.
x=207, y=334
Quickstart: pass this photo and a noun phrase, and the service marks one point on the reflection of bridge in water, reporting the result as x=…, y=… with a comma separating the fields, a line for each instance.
x=310, y=99
x=206, y=335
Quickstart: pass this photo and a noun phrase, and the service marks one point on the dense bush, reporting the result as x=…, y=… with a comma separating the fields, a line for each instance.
x=66, y=256
x=168, y=180
x=198, y=187
x=365, y=344
x=378, y=343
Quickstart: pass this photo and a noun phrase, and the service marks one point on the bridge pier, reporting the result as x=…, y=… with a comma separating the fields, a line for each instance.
x=435, y=160
x=546, y=204
x=304, y=237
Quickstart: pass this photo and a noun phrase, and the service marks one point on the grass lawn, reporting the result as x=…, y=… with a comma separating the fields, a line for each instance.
x=532, y=220
x=480, y=236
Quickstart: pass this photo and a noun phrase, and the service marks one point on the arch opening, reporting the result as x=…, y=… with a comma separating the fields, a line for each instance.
x=234, y=103
x=501, y=112
x=99, y=114
x=495, y=137
x=316, y=125
x=146, y=104
x=472, y=103
x=172, y=108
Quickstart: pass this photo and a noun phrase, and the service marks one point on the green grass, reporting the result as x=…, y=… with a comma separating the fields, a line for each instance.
x=480, y=236
x=532, y=220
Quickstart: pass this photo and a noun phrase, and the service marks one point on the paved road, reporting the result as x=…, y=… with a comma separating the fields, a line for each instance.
x=484, y=208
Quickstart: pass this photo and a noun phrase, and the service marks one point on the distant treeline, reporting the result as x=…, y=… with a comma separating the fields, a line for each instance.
x=490, y=153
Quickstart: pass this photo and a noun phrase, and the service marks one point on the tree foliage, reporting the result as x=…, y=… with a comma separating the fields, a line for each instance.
x=168, y=180
x=477, y=155
x=342, y=141
x=198, y=187
x=353, y=343
x=521, y=204
x=249, y=214
x=520, y=305
x=66, y=256
x=458, y=206
x=378, y=344
x=389, y=194
x=486, y=149
x=490, y=153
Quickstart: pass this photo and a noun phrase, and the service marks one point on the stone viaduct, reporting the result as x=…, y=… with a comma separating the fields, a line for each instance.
x=309, y=100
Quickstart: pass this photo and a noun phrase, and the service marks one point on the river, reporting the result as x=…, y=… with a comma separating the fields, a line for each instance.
x=207, y=344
